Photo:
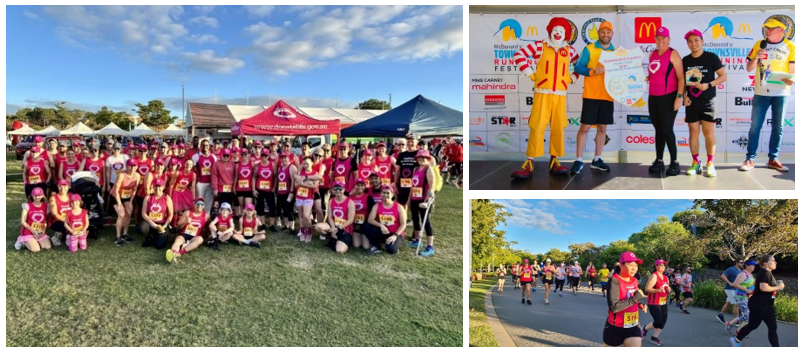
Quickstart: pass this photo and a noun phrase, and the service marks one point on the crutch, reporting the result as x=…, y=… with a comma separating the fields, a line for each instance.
x=421, y=223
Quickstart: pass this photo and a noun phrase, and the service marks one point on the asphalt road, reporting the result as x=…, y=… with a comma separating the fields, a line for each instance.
x=578, y=320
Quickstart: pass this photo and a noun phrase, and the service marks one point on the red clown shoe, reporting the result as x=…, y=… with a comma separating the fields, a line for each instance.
x=525, y=172
x=556, y=168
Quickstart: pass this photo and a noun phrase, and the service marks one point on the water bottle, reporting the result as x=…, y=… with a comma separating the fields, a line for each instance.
x=778, y=283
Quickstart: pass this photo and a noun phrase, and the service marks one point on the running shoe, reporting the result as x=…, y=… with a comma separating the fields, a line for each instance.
x=642, y=333
x=171, y=257
x=429, y=251
x=657, y=166
x=529, y=303
x=374, y=250
x=216, y=244
x=776, y=164
x=415, y=243
x=576, y=167
x=721, y=318
x=560, y=295
x=147, y=242
x=695, y=168
x=127, y=238
x=655, y=341
x=273, y=229
x=710, y=169
x=119, y=242
x=255, y=244
x=686, y=311
x=728, y=328
x=747, y=165
x=554, y=291
x=600, y=165
x=673, y=169
x=56, y=239
x=734, y=342
x=523, y=301
x=546, y=301
x=17, y=245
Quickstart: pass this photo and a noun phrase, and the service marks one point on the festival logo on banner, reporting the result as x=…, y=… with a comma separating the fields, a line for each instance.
x=589, y=29
x=625, y=79
x=730, y=41
x=645, y=28
x=513, y=39
x=723, y=27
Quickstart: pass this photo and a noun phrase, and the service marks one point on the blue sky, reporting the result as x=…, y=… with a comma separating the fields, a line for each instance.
x=539, y=225
x=90, y=56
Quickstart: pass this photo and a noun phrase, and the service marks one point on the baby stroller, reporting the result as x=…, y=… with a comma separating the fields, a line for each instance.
x=85, y=184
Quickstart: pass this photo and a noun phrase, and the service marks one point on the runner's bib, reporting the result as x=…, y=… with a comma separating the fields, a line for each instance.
x=283, y=186
x=385, y=181
x=662, y=301
x=339, y=222
x=387, y=220
x=548, y=276
x=226, y=188
x=242, y=184
x=265, y=185
x=155, y=216
x=191, y=229
x=248, y=231
x=341, y=179
x=38, y=227
x=303, y=192
x=34, y=179
x=416, y=192
x=206, y=171
x=359, y=218
x=631, y=319
x=406, y=183
x=126, y=193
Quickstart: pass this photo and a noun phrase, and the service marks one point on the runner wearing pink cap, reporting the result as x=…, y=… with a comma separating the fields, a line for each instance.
x=622, y=323
x=658, y=288
x=340, y=218
x=36, y=172
x=244, y=182
x=422, y=193
x=33, y=223
x=666, y=90
x=157, y=214
x=76, y=223
x=223, y=178
x=251, y=231
x=182, y=190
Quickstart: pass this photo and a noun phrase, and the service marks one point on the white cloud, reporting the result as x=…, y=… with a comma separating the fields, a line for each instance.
x=526, y=216
x=201, y=39
x=204, y=21
x=259, y=10
x=30, y=14
x=207, y=61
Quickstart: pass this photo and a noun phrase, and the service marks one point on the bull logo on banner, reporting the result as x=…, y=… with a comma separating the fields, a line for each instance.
x=625, y=78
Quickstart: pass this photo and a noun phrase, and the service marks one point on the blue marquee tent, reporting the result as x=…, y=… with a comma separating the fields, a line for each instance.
x=419, y=117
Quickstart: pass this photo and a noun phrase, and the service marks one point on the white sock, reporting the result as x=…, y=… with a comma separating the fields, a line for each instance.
x=580, y=159
x=531, y=159
x=596, y=158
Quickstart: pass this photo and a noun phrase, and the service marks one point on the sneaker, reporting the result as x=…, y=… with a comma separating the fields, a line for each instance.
x=673, y=169
x=642, y=333
x=557, y=169
x=728, y=328
x=171, y=257
x=546, y=301
x=56, y=240
x=216, y=244
x=119, y=242
x=415, y=243
x=429, y=251
x=523, y=301
x=147, y=242
x=127, y=238
x=255, y=244
x=748, y=164
x=710, y=169
x=529, y=303
x=655, y=341
x=720, y=318
x=17, y=245
x=776, y=164
x=374, y=250
x=686, y=311
x=695, y=168
x=657, y=166
x=525, y=172
x=273, y=229
x=576, y=167
x=554, y=291
x=560, y=295
x=734, y=342
x=600, y=165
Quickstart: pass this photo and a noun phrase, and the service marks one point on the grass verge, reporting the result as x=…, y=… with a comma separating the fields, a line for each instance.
x=709, y=294
x=479, y=330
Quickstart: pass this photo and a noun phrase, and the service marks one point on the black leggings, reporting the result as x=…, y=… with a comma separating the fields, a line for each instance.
x=417, y=213
x=159, y=240
x=377, y=238
x=663, y=118
x=58, y=226
x=659, y=314
x=266, y=203
x=285, y=206
x=559, y=285
x=758, y=315
x=676, y=293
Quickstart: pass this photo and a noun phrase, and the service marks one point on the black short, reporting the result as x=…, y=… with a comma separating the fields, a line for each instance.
x=594, y=112
x=138, y=201
x=316, y=196
x=514, y=277
x=526, y=283
x=245, y=194
x=615, y=336
x=687, y=294
x=546, y=281
x=266, y=204
x=402, y=195
x=703, y=111
x=357, y=228
x=344, y=237
x=456, y=168
x=30, y=187
x=122, y=200
x=323, y=190
x=227, y=197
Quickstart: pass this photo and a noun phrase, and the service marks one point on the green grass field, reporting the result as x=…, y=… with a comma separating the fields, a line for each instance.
x=479, y=330
x=284, y=294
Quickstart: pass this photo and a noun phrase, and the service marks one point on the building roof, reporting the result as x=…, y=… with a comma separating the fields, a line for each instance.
x=209, y=115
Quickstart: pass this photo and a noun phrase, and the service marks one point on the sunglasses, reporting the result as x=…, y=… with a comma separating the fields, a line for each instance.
x=199, y=203
x=337, y=188
x=318, y=156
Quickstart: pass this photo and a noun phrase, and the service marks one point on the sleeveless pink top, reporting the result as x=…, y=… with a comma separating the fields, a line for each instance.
x=662, y=74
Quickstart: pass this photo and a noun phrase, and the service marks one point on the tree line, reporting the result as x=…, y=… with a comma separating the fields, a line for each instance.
x=711, y=233
x=153, y=114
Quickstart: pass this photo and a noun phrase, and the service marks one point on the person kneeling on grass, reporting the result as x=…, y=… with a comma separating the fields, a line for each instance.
x=386, y=223
x=157, y=213
x=222, y=227
x=251, y=231
x=340, y=216
x=191, y=224
x=76, y=224
x=34, y=222
x=363, y=203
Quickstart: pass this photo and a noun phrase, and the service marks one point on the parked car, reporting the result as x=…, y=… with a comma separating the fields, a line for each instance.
x=26, y=144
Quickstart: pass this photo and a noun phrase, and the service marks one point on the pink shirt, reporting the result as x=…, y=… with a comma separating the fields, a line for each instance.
x=662, y=74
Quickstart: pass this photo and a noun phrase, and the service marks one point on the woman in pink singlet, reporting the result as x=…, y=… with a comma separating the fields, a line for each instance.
x=304, y=195
x=34, y=223
x=386, y=223
x=76, y=224
x=666, y=90
x=340, y=217
x=362, y=208
x=189, y=238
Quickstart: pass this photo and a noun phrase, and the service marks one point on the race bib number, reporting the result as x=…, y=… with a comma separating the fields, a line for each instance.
x=630, y=319
x=662, y=301
x=406, y=183
x=191, y=230
x=126, y=193
x=339, y=222
x=226, y=188
x=265, y=185
x=526, y=275
x=34, y=179
x=387, y=220
x=416, y=192
x=341, y=179
x=243, y=184
x=385, y=181
x=206, y=171
x=155, y=216
x=248, y=231
x=303, y=192
x=548, y=276
x=283, y=186
x=38, y=227
x=359, y=218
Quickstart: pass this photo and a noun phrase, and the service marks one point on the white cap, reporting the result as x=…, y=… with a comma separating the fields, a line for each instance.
x=226, y=205
x=548, y=260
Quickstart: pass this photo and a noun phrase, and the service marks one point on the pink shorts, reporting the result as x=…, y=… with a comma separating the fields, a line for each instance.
x=25, y=238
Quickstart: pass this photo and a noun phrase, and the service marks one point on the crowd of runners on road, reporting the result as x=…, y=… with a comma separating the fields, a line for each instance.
x=750, y=289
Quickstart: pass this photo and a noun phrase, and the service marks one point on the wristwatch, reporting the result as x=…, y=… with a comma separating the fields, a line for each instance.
x=678, y=96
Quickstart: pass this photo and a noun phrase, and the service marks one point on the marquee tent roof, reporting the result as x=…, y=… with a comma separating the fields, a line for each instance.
x=283, y=119
x=420, y=116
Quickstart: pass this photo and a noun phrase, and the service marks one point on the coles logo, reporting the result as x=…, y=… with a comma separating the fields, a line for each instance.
x=338, y=213
x=640, y=139
x=244, y=172
x=285, y=113
x=93, y=168
x=646, y=29
x=281, y=176
x=383, y=169
x=476, y=141
x=207, y=163
x=340, y=169
x=35, y=170
x=495, y=100
x=475, y=121
x=358, y=205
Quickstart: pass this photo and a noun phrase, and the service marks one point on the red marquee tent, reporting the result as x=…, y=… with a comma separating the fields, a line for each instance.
x=281, y=119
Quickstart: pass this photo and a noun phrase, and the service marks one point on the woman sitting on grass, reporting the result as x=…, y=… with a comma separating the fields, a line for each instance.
x=157, y=212
x=340, y=216
x=76, y=224
x=191, y=224
x=251, y=230
x=386, y=223
x=222, y=226
x=34, y=223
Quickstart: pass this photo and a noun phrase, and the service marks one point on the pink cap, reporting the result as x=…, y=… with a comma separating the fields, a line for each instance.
x=38, y=192
x=160, y=161
x=265, y=151
x=142, y=147
x=423, y=153
x=662, y=31
x=629, y=257
x=359, y=181
x=76, y=144
x=338, y=184
x=226, y=151
x=244, y=151
x=159, y=182
x=38, y=139
x=174, y=161
x=387, y=187
x=75, y=197
x=249, y=207
x=525, y=261
x=131, y=162
x=659, y=262
x=182, y=146
x=35, y=149
x=64, y=182
x=258, y=143
x=367, y=152
x=175, y=146
x=693, y=32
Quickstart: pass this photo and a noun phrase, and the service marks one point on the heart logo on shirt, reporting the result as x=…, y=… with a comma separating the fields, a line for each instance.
x=654, y=67
x=695, y=92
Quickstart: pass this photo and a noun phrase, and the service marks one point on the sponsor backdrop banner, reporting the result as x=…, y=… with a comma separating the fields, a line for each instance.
x=500, y=97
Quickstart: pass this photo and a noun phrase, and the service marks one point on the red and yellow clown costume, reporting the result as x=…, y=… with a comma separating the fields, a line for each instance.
x=551, y=80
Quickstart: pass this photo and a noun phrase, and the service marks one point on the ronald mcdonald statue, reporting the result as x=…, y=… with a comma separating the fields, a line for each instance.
x=553, y=74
